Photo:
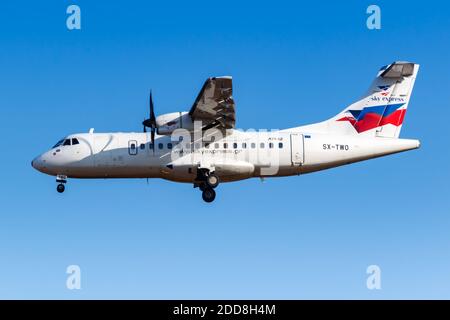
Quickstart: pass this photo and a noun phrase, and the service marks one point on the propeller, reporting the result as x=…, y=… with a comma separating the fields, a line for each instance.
x=150, y=122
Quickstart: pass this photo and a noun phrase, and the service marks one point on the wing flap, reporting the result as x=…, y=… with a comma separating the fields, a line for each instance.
x=214, y=105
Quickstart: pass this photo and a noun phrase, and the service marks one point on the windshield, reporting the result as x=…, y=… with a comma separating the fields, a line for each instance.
x=60, y=142
x=66, y=142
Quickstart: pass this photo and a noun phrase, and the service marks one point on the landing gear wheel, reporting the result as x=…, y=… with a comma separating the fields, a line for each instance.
x=212, y=180
x=60, y=188
x=208, y=195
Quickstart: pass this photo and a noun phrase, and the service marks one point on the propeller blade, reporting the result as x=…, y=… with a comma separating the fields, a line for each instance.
x=151, y=122
x=152, y=110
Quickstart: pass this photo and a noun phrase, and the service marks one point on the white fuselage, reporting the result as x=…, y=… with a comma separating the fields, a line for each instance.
x=239, y=155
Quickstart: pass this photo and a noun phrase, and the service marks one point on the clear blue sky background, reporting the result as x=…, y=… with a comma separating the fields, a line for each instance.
x=293, y=63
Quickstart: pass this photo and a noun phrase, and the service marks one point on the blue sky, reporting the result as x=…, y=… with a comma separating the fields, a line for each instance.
x=292, y=63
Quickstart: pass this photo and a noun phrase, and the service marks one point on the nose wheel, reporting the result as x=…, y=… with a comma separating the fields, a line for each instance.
x=60, y=188
x=61, y=180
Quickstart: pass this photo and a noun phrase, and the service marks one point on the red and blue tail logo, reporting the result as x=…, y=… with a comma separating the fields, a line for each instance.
x=384, y=90
x=375, y=116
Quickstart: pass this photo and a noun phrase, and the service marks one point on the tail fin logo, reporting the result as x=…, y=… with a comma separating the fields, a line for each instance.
x=375, y=116
x=384, y=90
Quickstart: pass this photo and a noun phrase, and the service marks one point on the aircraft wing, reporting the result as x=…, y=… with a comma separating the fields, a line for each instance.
x=214, y=105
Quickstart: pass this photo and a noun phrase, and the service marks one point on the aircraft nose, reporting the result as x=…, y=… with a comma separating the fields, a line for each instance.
x=38, y=163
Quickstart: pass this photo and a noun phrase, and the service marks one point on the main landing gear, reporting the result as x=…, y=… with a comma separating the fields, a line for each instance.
x=206, y=182
x=212, y=180
x=61, y=180
x=208, y=195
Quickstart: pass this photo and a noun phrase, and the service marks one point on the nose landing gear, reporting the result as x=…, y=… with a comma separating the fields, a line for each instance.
x=60, y=188
x=61, y=180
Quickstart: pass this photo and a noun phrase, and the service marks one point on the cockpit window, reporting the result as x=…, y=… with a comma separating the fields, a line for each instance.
x=66, y=142
x=60, y=142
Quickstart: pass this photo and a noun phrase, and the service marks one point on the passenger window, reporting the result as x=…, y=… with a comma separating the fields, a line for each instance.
x=253, y=145
x=216, y=145
x=160, y=146
x=169, y=146
x=197, y=146
x=142, y=146
x=75, y=141
x=151, y=146
x=261, y=145
x=270, y=145
x=188, y=146
x=207, y=145
x=235, y=145
x=66, y=142
x=280, y=145
x=244, y=145
x=225, y=145
x=133, y=146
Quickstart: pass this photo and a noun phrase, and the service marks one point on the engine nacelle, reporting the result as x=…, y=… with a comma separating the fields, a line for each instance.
x=169, y=122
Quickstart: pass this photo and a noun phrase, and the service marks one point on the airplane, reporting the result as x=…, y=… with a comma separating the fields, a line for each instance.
x=202, y=146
